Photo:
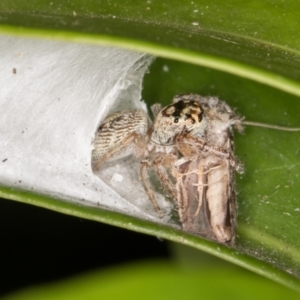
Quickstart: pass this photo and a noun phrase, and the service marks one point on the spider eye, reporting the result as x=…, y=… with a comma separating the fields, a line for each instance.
x=176, y=120
x=200, y=117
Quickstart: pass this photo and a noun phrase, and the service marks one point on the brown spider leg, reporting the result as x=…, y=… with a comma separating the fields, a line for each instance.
x=200, y=186
x=180, y=175
x=182, y=198
x=144, y=178
x=158, y=163
x=182, y=193
x=200, y=189
x=113, y=151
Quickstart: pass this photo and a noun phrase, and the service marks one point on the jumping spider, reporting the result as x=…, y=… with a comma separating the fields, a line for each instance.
x=190, y=148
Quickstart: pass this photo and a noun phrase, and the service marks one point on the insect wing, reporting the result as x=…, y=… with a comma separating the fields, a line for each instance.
x=206, y=198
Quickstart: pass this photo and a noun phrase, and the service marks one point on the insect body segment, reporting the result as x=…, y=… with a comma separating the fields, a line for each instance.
x=190, y=148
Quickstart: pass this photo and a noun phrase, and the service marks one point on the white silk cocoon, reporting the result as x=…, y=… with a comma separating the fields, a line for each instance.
x=53, y=95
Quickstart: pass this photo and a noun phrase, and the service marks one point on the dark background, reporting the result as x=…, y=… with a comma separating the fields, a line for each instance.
x=39, y=246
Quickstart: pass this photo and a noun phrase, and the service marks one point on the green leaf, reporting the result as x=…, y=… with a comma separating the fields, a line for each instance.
x=253, y=40
x=160, y=280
